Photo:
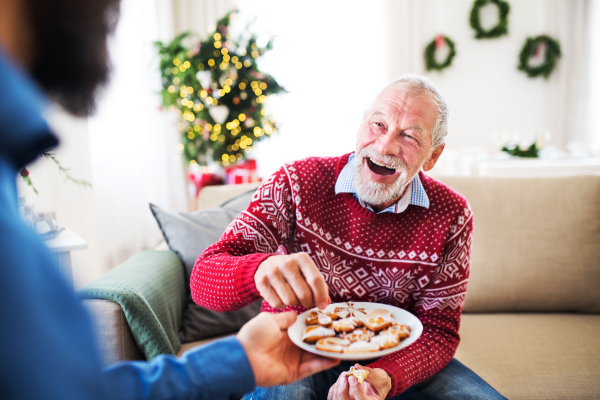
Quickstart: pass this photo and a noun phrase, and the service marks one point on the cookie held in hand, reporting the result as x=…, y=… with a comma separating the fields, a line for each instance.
x=359, y=374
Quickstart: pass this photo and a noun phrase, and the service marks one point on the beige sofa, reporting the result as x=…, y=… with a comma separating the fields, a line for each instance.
x=531, y=322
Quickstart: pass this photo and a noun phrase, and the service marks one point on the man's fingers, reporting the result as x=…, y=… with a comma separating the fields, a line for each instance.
x=312, y=364
x=315, y=280
x=292, y=274
x=356, y=389
x=283, y=289
x=270, y=295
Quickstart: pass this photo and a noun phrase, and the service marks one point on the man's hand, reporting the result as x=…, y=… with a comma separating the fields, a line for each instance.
x=376, y=386
x=288, y=280
x=274, y=358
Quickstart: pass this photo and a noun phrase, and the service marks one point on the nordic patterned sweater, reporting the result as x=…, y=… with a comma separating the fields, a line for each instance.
x=417, y=260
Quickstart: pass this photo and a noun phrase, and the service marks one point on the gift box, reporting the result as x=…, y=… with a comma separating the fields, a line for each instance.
x=241, y=173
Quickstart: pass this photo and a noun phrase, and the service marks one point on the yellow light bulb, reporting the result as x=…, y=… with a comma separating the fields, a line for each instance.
x=176, y=61
x=263, y=85
x=218, y=44
x=247, y=63
x=232, y=158
x=187, y=64
x=225, y=157
x=211, y=62
x=217, y=36
x=242, y=117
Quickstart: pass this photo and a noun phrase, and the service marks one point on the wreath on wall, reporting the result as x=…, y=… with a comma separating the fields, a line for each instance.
x=431, y=62
x=218, y=91
x=501, y=27
x=533, y=47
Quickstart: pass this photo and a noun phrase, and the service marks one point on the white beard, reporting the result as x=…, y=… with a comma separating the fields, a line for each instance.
x=375, y=193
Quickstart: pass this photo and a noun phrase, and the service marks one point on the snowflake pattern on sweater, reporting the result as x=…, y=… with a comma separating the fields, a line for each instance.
x=417, y=260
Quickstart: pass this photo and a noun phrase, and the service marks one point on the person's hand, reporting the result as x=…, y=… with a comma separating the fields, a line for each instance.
x=288, y=280
x=376, y=386
x=274, y=358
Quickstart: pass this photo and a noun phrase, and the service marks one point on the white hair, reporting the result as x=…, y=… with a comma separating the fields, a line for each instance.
x=419, y=85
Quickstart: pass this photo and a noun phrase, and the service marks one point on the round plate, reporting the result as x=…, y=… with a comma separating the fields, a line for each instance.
x=403, y=317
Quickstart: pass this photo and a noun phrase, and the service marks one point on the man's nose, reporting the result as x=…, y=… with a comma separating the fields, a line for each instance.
x=387, y=144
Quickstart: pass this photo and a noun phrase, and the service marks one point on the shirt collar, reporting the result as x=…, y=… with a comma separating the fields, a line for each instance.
x=24, y=133
x=414, y=194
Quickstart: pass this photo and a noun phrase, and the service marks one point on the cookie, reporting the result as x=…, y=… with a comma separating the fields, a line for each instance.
x=345, y=324
x=402, y=331
x=323, y=318
x=355, y=336
x=332, y=344
x=359, y=374
x=379, y=319
x=361, y=347
x=313, y=333
x=385, y=341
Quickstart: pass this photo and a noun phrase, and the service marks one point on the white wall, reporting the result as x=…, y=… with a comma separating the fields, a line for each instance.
x=334, y=56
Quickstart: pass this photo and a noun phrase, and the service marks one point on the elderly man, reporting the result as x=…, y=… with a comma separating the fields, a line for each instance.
x=366, y=226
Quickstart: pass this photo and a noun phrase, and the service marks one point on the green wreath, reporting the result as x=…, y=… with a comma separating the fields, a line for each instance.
x=529, y=50
x=430, y=61
x=500, y=29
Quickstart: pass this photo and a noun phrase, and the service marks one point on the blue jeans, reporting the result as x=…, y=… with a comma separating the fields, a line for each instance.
x=455, y=381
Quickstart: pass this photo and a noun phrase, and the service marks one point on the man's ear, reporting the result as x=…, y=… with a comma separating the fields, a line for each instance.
x=435, y=154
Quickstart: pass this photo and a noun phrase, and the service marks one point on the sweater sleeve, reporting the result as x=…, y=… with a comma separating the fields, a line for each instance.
x=223, y=276
x=439, y=309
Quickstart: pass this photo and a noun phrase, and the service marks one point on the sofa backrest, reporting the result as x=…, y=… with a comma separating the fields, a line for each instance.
x=536, y=244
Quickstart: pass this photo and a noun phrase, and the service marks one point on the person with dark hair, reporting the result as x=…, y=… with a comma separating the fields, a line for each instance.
x=57, y=50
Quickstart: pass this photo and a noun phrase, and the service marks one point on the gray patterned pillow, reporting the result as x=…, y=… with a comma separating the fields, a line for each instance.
x=188, y=235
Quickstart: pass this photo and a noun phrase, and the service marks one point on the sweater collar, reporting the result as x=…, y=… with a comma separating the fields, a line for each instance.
x=415, y=192
x=24, y=133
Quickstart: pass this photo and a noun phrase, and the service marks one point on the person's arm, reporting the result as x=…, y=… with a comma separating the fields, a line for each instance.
x=242, y=266
x=439, y=311
x=262, y=354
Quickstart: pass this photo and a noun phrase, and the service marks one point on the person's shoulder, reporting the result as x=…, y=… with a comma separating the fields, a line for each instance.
x=441, y=194
x=315, y=166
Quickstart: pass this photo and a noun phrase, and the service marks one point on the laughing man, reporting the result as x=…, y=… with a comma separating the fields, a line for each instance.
x=366, y=226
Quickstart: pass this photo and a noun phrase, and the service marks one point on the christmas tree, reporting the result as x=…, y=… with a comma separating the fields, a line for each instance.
x=219, y=93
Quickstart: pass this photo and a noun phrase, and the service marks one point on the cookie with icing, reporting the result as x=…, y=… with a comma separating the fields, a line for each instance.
x=355, y=335
x=323, y=318
x=379, y=319
x=402, y=331
x=361, y=346
x=313, y=333
x=359, y=374
x=346, y=324
x=385, y=341
x=332, y=344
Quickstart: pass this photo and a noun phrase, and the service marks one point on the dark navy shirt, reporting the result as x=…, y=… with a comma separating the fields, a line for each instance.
x=47, y=345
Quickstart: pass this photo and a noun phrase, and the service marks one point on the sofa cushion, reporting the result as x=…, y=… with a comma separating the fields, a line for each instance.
x=188, y=235
x=536, y=244
x=534, y=356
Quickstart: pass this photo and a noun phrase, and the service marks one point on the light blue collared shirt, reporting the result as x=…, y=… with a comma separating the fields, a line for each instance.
x=414, y=194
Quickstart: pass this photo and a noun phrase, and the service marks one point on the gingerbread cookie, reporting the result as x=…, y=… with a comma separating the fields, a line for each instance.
x=355, y=336
x=361, y=346
x=385, y=341
x=359, y=374
x=323, y=318
x=346, y=324
x=315, y=332
x=333, y=344
x=379, y=319
x=402, y=331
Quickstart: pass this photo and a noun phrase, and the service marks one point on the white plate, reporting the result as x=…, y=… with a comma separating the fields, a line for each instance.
x=403, y=317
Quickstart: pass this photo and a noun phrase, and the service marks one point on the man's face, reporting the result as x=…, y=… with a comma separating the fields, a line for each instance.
x=69, y=57
x=393, y=143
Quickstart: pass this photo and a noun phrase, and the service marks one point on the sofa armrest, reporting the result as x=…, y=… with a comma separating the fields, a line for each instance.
x=114, y=337
x=150, y=289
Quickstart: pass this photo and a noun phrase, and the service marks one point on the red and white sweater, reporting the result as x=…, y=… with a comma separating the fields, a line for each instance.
x=417, y=260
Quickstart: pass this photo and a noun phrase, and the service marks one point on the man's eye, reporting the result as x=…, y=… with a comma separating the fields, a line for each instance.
x=379, y=124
